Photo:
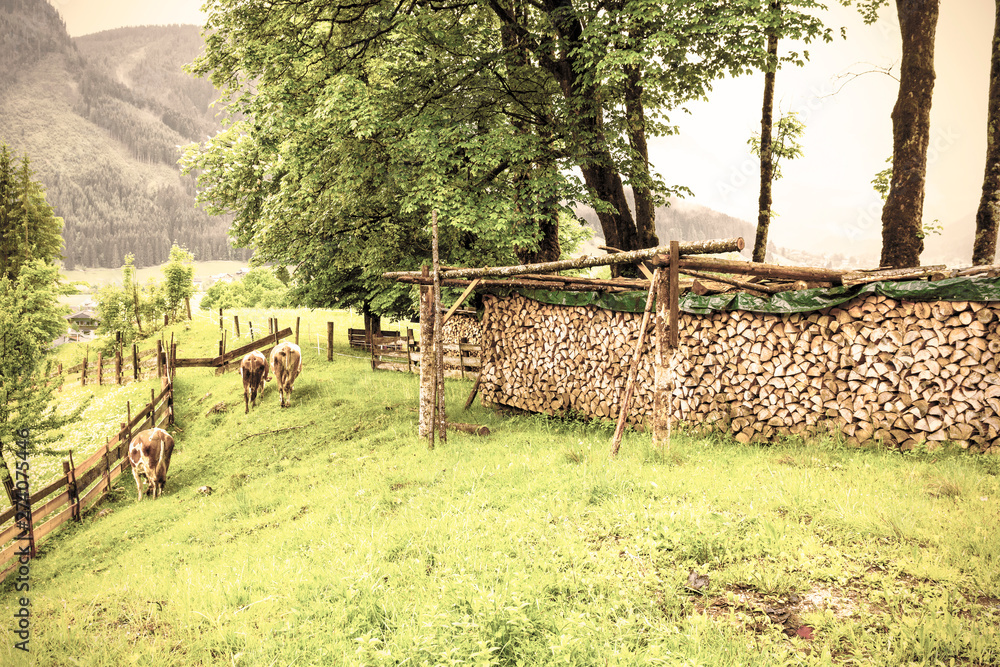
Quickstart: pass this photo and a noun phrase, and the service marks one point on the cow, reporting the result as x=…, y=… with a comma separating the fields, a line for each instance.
x=286, y=364
x=253, y=370
x=149, y=453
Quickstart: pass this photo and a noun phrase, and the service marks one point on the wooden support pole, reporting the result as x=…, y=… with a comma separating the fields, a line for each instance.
x=83, y=370
x=329, y=341
x=674, y=292
x=159, y=358
x=221, y=328
x=633, y=369
x=135, y=362
x=427, y=375
x=187, y=302
x=662, y=380
x=465, y=295
x=100, y=368
x=236, y=325
x=440, y=420
x=409, y=350
x=297, y=320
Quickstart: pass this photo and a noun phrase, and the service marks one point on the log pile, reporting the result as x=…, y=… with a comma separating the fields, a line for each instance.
x=873, y=369
x=461, y=326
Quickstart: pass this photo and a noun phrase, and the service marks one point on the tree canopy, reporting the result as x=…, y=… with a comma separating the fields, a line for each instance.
x=352, y=121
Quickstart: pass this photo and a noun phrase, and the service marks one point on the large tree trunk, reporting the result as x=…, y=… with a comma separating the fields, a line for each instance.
x=984, y=249
x=766, y=151
x=645, y=212
x=902, y=215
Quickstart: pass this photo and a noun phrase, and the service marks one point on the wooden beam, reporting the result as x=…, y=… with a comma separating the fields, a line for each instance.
x=465, y=295
x=631, y=257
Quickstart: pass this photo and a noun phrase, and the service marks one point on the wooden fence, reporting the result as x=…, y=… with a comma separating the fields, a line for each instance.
x=226, y=360
x=402, y=353
x=116, y=369
x=80, y=486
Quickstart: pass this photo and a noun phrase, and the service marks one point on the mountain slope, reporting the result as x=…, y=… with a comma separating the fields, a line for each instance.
x=101, y=119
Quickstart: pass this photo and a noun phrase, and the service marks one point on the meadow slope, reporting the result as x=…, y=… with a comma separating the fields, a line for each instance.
x=334, y=536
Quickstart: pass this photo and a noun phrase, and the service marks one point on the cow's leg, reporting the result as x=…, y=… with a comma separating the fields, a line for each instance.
x=138, y=484
x=246, y=401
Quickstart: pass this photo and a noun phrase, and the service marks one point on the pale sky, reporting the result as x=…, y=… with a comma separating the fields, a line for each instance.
x=825, y=202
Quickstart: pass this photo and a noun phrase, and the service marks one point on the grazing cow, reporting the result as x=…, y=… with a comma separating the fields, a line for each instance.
x=286, y=364
x=253, y=370
x=149, y=454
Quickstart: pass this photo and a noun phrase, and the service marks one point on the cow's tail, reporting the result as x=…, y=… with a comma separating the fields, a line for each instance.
x=287, y=362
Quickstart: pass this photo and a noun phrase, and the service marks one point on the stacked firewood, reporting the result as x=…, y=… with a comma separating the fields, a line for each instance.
x=874, y=369
x=461, y=326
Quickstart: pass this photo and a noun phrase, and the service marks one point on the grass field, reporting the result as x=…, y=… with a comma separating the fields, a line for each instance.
x=334, y=536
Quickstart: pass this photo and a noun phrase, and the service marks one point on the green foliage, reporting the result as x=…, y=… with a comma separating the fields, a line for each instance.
x=29, y=229
x=30, y=320
x=259, y=288
x=178, y=279
x=785, y=143
x=350, y=127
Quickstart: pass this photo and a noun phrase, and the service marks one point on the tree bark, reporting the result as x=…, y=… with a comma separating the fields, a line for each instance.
x=766, y=152
x=984, y=248
x=902, y=215
x=645, y=212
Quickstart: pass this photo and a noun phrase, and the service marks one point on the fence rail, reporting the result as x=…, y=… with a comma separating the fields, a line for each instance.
x=79, y=487
x=402, y=353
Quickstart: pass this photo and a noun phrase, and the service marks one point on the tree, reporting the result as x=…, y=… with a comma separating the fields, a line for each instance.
x=358, y=119
x=902, y=215
x=178, y=277
x=29, y=229
x=984, y=248
x=764, y=150
x=784, y=145
x=30, y=320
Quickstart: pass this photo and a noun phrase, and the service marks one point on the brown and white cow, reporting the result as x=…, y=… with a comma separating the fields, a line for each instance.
x=286, y=364
x=253, y=370
x=149, y=453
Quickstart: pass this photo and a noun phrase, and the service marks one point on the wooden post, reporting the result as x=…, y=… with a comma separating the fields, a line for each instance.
x=461, y=355
x=135, y=361
x=83, y=373
x=426, y=412
x=159, y=358
x=220, y=321
x=297, y=319
x=409, y=349
x=236, y=325
x=118, y=365
x=250, y=324
x=74, y=493
x=329, y=341
x=166, y=319
x=187, y=302
x=662, y=367
x=170, y=404
x=222, y=351
x=100, y=368
x=440, y=421
x=633, y=368
x=673, y=271
x=171, y=356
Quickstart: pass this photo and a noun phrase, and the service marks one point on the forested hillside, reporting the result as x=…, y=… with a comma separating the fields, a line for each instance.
x=102, y=117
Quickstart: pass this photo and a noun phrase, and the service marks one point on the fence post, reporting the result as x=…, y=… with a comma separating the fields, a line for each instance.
x=461, y=354
x=170, y=403
x=220, y=321
x=159, y=358
x=59, y=388
x=297, y=330
x=135, y=362
x=187, y=302
x=409, y=348
x=250, y=323
x=100, y=368
x=83, y=373
x=69, y=469
x=329, y=341
x=236, y=324
x=165, y=319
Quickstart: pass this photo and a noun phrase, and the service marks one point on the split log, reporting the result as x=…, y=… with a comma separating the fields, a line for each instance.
x=876, y=275
x=474, y=429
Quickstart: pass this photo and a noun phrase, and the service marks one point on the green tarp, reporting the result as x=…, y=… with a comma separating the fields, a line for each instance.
x=798, y=301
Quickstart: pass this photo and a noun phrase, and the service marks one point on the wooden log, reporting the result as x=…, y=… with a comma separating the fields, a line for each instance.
x=634, y=365
x=700, y=247
x=876, y=275
x=754, y=269
x=474, y=429
x=329, y=341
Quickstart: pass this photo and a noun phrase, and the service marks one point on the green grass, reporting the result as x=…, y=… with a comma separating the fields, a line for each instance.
x=335, y=537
